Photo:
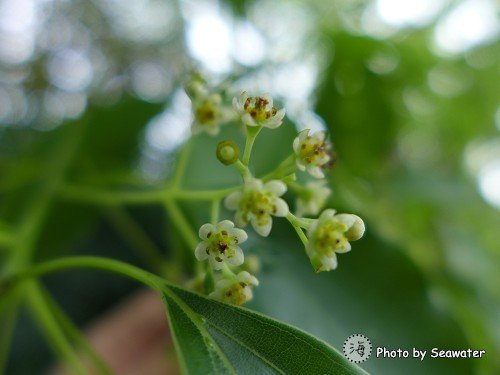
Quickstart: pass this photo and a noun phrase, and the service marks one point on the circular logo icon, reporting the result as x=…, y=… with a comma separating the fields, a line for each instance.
x=357, y=348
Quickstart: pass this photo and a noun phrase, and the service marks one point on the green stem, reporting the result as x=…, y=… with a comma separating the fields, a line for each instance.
x=302, y=222
x=286, y=167
x=111, y=198
x=52, y=330
x=294, y=221
x=243, y=169
x=227, y=272
x=291, y=178
x=75, y=335
x=182, y=163
x=252, y=133
x=215, y=210
x=297, y=187
x=179, y=220
x=106, y=197
x=105, y=264
x=57, y=163
x=9, y=308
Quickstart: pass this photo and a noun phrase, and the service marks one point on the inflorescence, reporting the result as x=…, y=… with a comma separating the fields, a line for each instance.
x=257, y=201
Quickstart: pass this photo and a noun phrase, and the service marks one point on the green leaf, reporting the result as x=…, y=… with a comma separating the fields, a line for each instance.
x=216, y=338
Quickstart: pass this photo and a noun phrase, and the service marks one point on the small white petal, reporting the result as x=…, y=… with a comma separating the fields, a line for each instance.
x=281, y=208
x=205, y=229
x=347, y=219
x=276, y=187
x=316, y=172
x=226, y=225
x=296, y=145
x=237, y=105
x=322, y=160
x=346, y=249
x=238, y=258
x=318, y=137
x=240, y=235
x=200, y=252
x=310, y=231
x=263, y=230
x=253, y=184
x=232, y=201
x=330, y=263
x=300, y=165
x=303, y=135
x=280, y=114
x=248, y=120
x=357, y=230
x=271, y=123
x=247, y=278
x=247, y=293
x=328, y=213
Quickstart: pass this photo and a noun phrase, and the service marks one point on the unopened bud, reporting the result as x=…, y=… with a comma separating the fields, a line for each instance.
x=356, y=231
x=227, y=152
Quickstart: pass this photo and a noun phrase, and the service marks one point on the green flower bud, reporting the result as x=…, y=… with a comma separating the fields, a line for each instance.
x=227, y=152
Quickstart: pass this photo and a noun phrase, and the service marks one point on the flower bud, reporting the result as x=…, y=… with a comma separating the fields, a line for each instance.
x=356, y=231
x=227, y=152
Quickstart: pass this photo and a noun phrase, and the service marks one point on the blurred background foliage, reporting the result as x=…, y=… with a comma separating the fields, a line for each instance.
x=90, y=95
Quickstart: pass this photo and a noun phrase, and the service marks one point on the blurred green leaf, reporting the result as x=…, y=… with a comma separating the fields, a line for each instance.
x=376, y=291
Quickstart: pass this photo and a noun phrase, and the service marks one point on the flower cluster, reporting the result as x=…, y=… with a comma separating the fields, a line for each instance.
x=257, y=200
x=209, y=112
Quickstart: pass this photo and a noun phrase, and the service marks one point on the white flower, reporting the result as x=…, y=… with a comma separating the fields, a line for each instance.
x=312, y=197
x=236, y=290
x=312, y=152
x=330, y=234
x=220, y=243
x=258, y=111
x=256, y=202
x=209, y=114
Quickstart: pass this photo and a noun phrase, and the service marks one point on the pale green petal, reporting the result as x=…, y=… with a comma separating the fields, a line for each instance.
x=237, y=257
x=205, y=230
x=262, y=230
x=281, y=208
x=200, y=252
x=276, y=187
x=233, y=200
x=315, y=171
x=240, y=235
x=226, y=225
